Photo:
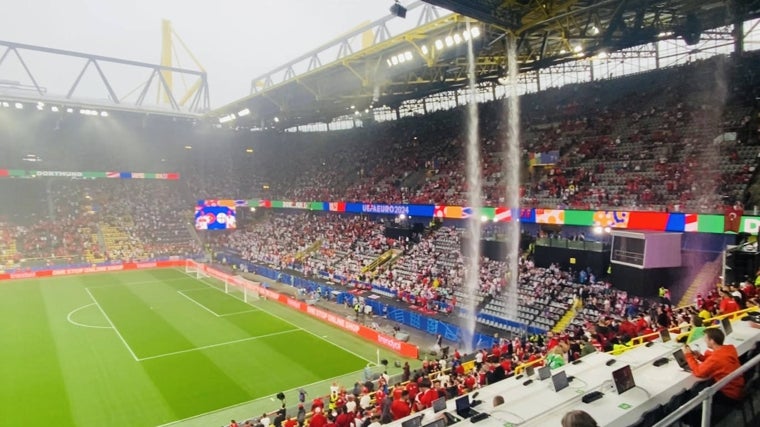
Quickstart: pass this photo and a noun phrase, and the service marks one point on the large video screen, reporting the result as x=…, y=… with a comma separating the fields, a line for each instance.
x=209, y=216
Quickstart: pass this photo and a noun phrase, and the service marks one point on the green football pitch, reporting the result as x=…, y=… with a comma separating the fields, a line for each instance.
x=158, y=347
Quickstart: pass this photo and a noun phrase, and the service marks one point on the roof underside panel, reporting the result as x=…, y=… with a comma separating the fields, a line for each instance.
x=432, y=57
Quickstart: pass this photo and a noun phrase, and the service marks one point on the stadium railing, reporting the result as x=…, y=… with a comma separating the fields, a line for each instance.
x=704, y=398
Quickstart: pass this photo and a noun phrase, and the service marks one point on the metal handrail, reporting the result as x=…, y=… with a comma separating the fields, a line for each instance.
x=705, y=397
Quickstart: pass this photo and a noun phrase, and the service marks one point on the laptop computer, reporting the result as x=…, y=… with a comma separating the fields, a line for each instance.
x=530, y=371
x=623, y=379
x=439, y=405
x=665, y=335
x=441, y=422
x=463, y=407
x=544, y=373
x=727, y=328
x=413, y=422
x=681, y=359
x=559, y=381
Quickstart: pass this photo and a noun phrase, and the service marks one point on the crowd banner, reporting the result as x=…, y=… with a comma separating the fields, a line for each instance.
x=621, y=219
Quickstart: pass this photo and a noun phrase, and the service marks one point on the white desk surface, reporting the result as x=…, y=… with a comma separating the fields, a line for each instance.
x=538, y=405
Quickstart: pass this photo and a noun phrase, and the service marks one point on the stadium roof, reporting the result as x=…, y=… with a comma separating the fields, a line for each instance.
x=431, y=57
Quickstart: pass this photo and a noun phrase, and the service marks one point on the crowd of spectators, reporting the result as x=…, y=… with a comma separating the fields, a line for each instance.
x=688, y=145
x=91, y=221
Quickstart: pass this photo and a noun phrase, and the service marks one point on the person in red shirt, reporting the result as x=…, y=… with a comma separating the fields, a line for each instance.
x=727, y=303
x=627, y=328
x=233, y=423
x=722, y=361
x=412, y=389
x=506, y=364
x=318, y=419
x=426, y=396
x=400, y=407
x=317, y=403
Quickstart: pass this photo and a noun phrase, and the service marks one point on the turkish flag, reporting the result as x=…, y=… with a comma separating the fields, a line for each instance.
x=732, y=218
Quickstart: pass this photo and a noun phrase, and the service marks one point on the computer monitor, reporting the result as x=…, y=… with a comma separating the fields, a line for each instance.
x=623, y=379
x=559, y=381
x=413, y=422
x=727, y=328
x=439, y=404
x=544, y=373
x=665, y=335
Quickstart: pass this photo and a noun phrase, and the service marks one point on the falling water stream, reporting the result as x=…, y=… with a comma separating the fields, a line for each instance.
x=474, y=184
x=512, y=174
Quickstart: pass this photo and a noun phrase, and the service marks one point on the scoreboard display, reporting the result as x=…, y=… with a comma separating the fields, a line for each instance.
x=209, y=215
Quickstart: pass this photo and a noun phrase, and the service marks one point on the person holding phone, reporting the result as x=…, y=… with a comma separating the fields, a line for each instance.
x=716, y=365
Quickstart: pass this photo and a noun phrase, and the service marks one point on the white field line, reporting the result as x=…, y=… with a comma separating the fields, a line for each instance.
x=198, y=304
x=243, y=404
x=293, y=324
x=73, y=322
x=239, y=312
x=134, y=356
x=217, y=345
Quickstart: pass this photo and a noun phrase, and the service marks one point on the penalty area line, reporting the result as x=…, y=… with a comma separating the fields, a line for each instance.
x=189, y=350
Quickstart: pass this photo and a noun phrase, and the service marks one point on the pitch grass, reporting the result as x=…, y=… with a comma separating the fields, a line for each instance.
x=144, y=348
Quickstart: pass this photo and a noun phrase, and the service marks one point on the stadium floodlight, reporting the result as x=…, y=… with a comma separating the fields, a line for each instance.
x=466, y=35
x=457, y=39
x=408, y=55
x=69, y=110
x=5, y=104
x=597, y=230
x=475, y=32
x=40, y=106
x=607, y=230
x=104, y=114
x=594, y=30
x=390, y=64
x=602, y=55
x=424, y=49
x=394, y=60
x=277, y=120
x=54, y=109
x=562, y=52
x=439, y=44
x=19, y=106
x=578, y=49
x=449, y=41
x=244, y=112
x=188, y=147
x=227, y=118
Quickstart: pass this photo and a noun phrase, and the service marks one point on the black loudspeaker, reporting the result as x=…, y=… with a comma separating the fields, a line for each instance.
x=398, y=10
x=280, y=396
